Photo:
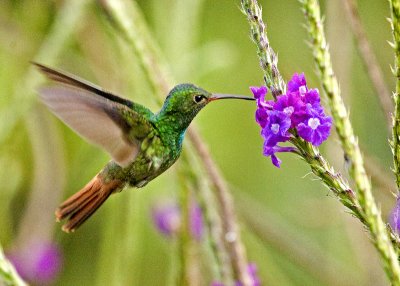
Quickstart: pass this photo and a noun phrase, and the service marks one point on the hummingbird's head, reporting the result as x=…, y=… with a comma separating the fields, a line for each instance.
x=184, y=101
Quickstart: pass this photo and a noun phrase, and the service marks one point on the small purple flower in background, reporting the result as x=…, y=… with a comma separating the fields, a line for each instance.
x=299, y=111
x=252, y=268
x=38, y=264
x=254, y=279
x=167, y=219
x=196, y=221
x=394, y=218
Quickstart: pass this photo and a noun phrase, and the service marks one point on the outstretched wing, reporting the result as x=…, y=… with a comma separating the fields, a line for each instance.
x=113, y=123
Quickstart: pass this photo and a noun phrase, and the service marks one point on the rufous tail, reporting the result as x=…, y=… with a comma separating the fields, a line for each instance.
x=79, y=207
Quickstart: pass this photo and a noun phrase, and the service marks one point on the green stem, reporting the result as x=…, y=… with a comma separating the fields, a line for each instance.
x=130, y=23
x=231, y=233
x=184, y=233
x=266, y=55
x=8, y=274
x=319, y=166
x=220, y=261
x=349, y=142
x=37, y=221
x=362, y=206
x=395, y=23
x=369, y=58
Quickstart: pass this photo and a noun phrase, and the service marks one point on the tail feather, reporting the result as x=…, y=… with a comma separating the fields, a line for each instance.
x=79, y=207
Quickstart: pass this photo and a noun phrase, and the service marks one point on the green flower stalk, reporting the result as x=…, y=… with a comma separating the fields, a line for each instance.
x=231, y=231
x=369, y=58
x=319, y=166
x=361, y=204
x=348, y=140
x=8, y=274
x=130, y=23
x=267, y=56
x=395, y=25
x=220, y=260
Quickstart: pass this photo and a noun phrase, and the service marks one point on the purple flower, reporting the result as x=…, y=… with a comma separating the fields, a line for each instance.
x=292, y=105
x=167, y=219
x=259, y=92
x=394, y=218
x=316, y=127
x=196, y=221
x=39, y=263
x=252, y=269
x=298, y=110
x=276, y=128
x=261, y=117
x=270, y=152
x=312, y=97
x=297, y=81
x=263, y=106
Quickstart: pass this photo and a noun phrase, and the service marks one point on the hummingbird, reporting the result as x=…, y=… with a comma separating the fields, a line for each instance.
x=142, y=144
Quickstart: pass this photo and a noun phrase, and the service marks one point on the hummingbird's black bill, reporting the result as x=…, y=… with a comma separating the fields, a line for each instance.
x=218, y=96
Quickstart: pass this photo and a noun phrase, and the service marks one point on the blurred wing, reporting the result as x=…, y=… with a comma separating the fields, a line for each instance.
x=104, y=120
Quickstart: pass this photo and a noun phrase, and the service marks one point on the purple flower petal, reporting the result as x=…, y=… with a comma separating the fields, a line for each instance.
x=276, y=161
x=262, y=105
x=312, y=97
x=261, y=117
x=39, y=263
x=259, y=92
x=394, y=217
x=167, y=218
x=252, y=269
x=196, y=221
x=270, y=152
x=296, y=82
x=276, y=128
x=315, y=129
x=292, y=105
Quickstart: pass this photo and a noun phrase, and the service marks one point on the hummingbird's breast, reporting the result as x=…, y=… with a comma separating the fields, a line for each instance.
x=156, y=155
x=158, y=151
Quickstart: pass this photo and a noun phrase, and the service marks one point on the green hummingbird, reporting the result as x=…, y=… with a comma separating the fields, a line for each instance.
x=142, y=144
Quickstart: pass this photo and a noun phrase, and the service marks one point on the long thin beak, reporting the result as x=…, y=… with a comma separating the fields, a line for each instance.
x=218, y=96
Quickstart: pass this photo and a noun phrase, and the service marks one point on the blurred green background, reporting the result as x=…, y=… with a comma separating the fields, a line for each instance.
x=293, y=228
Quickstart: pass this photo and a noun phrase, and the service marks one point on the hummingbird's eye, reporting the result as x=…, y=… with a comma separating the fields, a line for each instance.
x=199, y=98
